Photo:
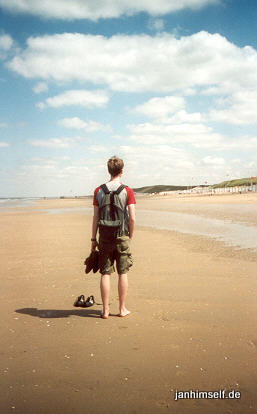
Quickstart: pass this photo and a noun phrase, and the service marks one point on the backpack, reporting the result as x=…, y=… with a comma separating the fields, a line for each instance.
x=111, y=221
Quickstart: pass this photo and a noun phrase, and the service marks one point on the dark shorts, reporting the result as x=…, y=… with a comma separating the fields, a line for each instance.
x=118, y=251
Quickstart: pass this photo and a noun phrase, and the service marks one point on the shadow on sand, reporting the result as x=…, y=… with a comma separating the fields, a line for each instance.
x=58, y=313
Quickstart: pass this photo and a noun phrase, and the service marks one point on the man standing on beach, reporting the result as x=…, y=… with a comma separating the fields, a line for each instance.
x=114, y=248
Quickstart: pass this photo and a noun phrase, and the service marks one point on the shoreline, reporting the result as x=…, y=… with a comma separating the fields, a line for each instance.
x=145, y=195
x=233, y=224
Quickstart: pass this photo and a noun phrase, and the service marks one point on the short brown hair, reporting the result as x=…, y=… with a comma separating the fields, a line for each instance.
x=115, y=165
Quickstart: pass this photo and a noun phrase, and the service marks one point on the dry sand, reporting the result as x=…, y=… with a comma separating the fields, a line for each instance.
x=192, y=326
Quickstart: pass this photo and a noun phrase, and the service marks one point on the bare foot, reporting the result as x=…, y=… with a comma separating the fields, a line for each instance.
x=124, y=312
x=105, y=315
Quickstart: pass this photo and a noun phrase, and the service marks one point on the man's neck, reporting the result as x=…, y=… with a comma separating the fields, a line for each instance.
x=117, y=178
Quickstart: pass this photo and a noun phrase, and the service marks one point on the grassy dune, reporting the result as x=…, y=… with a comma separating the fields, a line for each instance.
x=235, y=183
x=158, y=188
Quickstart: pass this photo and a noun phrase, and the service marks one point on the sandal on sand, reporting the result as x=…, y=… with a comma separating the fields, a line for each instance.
x=90, y=301
x=82, y=303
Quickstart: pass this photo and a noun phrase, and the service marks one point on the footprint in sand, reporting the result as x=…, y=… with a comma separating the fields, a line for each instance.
x=252, y=343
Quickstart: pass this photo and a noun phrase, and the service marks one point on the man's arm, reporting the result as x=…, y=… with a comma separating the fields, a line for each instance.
x=94, y=227
x=132, y=219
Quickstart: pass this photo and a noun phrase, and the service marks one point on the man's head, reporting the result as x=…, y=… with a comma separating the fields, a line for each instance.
x=115, y=166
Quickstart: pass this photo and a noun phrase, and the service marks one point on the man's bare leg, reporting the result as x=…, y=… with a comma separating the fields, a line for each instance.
x=105, y=285
x=123, y=290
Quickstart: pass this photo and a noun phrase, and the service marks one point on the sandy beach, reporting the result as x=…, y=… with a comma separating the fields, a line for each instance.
x=192, y=324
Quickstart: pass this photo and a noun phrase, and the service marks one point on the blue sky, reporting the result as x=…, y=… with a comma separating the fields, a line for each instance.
x=169, y=86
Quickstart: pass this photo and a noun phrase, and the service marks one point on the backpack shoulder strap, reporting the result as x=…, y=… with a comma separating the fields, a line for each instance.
x=121, y=187
x=105, y=189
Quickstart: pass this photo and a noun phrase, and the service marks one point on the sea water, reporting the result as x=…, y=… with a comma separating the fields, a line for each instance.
x=7, y=204
x=231, y=233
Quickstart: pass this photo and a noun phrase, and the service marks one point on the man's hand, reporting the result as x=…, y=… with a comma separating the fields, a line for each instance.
x=94, y=228
x=93, y=245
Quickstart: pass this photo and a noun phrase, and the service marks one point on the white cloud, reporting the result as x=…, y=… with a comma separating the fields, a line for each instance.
x=185, y=117
x=4, y=144
x=42, y=167
x=6, y=42
x=89, y=99
x=189, y=92
x=161, y=107
x=99, y=148
x=62, y=158
x=40, y=87
x=167, y=164
x=90, y=9
x=197, y=135
x=157, y=164
x=213, y=161
x=72, y=169
x=173, y=125
x=140, y=63
x=238, y=109
x=53, y=160
x=50, y=179
x=77, y=123
x=241, y=144
x=52, y=143
x=3, y=125
x=163, y=153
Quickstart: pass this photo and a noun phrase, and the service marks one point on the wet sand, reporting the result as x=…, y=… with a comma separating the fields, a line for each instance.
x=192, y=326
